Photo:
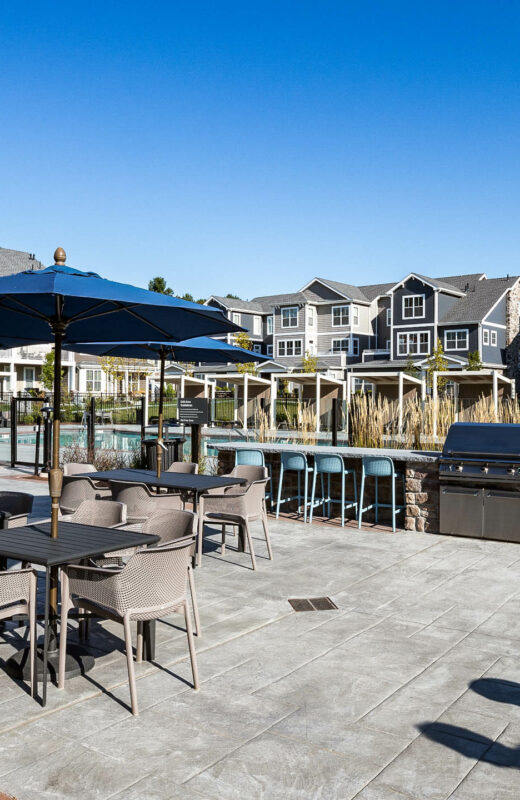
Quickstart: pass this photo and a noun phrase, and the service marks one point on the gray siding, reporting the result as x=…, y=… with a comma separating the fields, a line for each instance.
x=472, y=339
x=379, y=322
x=498, y=314
x=412, y=329
x=494, y=355
x=288, y=332
x=413, y=286
x=445, y=302
x=319, y=292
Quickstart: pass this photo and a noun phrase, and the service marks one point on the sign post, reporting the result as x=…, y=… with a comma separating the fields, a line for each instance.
x=194, y=412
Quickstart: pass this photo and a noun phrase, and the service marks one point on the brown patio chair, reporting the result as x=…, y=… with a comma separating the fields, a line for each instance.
x=151, y=586
x=235, y=509
x=172, y=526
x=186, y=467
x=76, y=489
x=75, y=468
x=140, y=502
x=15, y=507
x=18, y=596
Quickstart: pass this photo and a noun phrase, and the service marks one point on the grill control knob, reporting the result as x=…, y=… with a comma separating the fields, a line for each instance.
x=511, y=471
x=485, y=469
x=460, y=467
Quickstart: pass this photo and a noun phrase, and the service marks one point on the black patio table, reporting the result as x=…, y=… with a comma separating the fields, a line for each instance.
x=33, y=544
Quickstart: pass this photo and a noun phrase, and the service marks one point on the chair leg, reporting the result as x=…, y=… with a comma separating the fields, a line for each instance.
x=250, y=543
x=266, y=532
x=130, y=665
x=343, y=478
x=377, y=498
x=322, y=495
x=305, y=495
x=194, y=603
x=354, y=481
x=65, y=601
x=313, y=495
x=299, y=492
x=223, y=546
x=361, y=496
x=280, y=481
x=191, y=647
x=139, y=644
x=200, y=532
x=32, y=637
x=329, y=505
x=393, y=504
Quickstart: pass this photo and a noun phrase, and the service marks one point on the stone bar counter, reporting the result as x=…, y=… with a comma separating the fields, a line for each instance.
x=420, y=469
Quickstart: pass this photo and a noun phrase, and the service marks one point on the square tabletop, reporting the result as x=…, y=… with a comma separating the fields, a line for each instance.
x=33, y=543
x=168, y=480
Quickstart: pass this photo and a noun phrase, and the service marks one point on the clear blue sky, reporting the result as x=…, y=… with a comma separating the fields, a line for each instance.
x=246, y=147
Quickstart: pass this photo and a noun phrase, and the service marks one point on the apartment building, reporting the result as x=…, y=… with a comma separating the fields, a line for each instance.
x=383, y=325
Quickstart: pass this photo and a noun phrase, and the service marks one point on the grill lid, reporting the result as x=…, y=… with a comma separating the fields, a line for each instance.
x=482, y=439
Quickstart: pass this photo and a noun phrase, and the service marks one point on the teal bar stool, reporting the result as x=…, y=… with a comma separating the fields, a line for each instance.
x=255, y=458
x=379, y=467
x=294, y=462
x=326, y=466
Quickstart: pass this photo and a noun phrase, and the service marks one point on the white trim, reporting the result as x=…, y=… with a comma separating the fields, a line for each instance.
x=407, y=334
x=289, y=355
x=354, y=308
x=412, y=297
x=320, y=280
x=289, y=308
x=495, y=325
x=497, y=302
x=350, y=316
x=269, y=349
x=416, y=325
x=425, y=282
x=456, y=348
x=495, y=337
x=484, y=332
x=269, y=317
x=236, y=314
x=389, y=321
x=341, y=339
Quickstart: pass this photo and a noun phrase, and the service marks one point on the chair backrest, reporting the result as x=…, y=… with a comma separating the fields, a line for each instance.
x=75, y=468
x=329, y=464
x=171, y=525
x=75, y=490
x=250, y=473
x=156, y=576
x=254, y=498
x=252, y=458
x=103, y=513
x=16, y=502
x=186, y=467
x=294, y=461
x=136, y=496
x=378, y=466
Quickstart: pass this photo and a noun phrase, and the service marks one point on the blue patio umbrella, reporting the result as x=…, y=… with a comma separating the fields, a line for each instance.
x=201, y=349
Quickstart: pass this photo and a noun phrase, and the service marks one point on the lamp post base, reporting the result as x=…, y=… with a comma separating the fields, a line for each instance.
x=78, y=662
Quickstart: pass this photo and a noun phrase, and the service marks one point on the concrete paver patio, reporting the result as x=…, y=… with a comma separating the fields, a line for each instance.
x=411, y=689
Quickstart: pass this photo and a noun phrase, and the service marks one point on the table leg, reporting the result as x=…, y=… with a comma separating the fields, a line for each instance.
x=241, y=539
x=46, y=637
x=149, y=640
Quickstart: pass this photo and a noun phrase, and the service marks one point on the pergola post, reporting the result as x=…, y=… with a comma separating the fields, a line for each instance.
x=146, y=398
x=495, y=393
x=318, y=402
x=400, y=402
x=272, y=407
x=347, y=413
x=245, y=400
x=434, y=403
x=235, y=403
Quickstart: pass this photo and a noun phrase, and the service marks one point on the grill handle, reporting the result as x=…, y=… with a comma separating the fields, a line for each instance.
x=482, y=456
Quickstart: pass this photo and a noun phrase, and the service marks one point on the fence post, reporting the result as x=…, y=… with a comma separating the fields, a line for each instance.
x=91, y=431
x=13, y=432
x=144, y=418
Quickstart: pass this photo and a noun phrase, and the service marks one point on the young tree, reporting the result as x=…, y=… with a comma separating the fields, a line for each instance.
x=159, y=285
x=309, y=362
x=437, y=362
x=242, y=340
x=411, y=369
x=474, y=361
x=112, y=366
x=48, y=371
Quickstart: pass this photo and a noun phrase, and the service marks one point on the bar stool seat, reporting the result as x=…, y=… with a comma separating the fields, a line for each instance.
x=294, y=462
x=379, y=467
x=332, y=465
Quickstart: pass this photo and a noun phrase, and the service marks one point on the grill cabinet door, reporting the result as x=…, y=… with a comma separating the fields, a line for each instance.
x=461, y=511
x=502, y=515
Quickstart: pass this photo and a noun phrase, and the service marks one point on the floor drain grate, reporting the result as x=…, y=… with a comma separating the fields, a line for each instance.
x=312, y=603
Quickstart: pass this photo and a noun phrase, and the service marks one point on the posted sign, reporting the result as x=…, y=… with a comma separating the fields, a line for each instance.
x=193, y=411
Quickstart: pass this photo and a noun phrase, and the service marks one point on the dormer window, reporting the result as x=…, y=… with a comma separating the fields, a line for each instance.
x=413, y=306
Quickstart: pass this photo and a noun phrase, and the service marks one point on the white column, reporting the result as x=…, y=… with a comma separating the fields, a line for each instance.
x=349, y=392
x=146, y=398
x=434, y=403
x=235, y=403
x=318, y=402
x=456, y=399
x=400, y=402
x=246, y=387
x=272, y=408
x=12, y=377
x=181, y=387
x=495, y=393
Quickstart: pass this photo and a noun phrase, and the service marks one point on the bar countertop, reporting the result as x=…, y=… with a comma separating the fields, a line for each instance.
x=416, y=456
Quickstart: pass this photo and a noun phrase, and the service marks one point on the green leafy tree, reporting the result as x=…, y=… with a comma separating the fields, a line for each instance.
x=309, y=362
x=474, y=361
x=159, y=285
x=201, y=301
x=437, y=362
x=233, y=296
x=48, y=371
x=242, y=340
x=411, y=369
x=187, y=296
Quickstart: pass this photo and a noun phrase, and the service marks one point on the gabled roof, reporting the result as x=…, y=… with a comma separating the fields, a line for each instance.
x=234, y=304
x=347, y=290
x=267, y=302
x=434, y=282
x=13, y=261
x=478, y=301
x=463, y=282
x=376, y=290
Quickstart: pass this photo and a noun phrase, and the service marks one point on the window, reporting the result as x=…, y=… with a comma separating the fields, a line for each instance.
x=456, y=340
x=290, y=347
x=270, y=349
x=93, y=383
x=290, y=317
x=413, y=343
x=388, y=316
x=270, y=325
x=28, y=377
x=236, y=318
x=388, y=344
x=355, y=347
x=355, y=316
x=413, y=306
x=485, y=336
x=349, y=346
x=493, y=338
x=257, y=348
x=340, y=316
x=257, y=326
x=310, y=316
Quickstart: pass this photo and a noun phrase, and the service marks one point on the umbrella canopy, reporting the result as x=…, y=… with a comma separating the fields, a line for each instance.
x=200, y=349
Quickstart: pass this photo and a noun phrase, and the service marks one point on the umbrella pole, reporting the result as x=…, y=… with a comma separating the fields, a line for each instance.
x=56, y=474
x=160, y=422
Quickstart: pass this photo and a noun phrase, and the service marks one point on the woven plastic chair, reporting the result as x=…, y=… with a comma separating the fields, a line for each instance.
x=151, y=586
x=185, y=467
x=255, y=458
x=379, y=467
x=332, y=465
x=15, y=507
x=171, y=527
x=75, y=468
x=235, y=509
x=18, y=596
x=77, y=489
x=103, y=513
x=140, y=502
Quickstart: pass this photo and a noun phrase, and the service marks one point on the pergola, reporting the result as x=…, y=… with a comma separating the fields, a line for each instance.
x=488, y=382
x=313, y=386
x=396, y=385
x=252, y=388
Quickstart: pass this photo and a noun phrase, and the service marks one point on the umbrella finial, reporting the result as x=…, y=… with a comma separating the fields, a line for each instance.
x=60, y=255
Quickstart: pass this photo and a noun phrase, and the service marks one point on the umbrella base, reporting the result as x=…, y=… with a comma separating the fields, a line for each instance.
x=78, y=662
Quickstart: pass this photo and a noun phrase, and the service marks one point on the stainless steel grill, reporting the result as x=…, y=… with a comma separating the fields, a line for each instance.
x=479, y=475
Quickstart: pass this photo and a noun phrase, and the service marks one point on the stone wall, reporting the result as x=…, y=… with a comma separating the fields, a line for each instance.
x=419, y=495
x=513, y=335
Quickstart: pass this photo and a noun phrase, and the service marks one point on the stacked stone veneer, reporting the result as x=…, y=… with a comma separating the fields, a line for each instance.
x=421, y=491
x=513, y=335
